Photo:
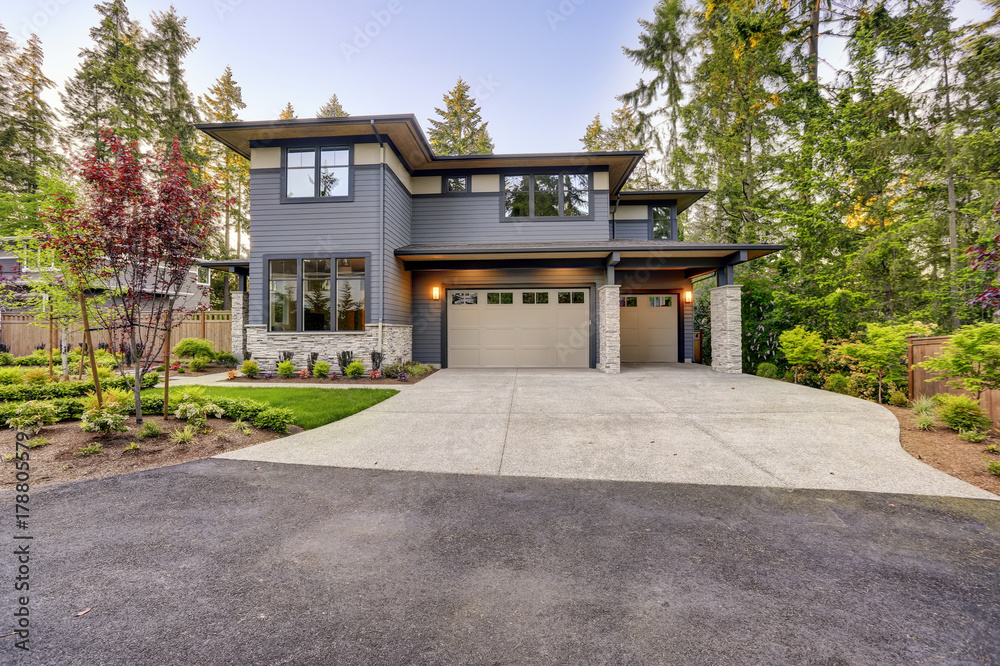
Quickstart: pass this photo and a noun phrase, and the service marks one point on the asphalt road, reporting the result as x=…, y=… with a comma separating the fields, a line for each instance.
x=234, y=562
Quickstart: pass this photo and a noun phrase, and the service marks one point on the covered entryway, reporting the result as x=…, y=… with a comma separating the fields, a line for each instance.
x=518, y=328
x=649, y=326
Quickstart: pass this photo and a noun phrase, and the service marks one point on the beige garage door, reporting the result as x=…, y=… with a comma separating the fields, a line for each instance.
x=518, y=328
x=649, y=328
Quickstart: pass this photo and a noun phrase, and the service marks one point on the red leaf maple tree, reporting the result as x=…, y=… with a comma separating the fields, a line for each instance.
x=135, y=234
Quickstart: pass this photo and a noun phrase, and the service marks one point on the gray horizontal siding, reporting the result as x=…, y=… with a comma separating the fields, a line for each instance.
x=427, y=321
x=301, y=228
x=398, y=211
x=476, y=219
x=632, y=229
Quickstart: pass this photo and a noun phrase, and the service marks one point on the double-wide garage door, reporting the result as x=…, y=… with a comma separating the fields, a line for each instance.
x=518, y=328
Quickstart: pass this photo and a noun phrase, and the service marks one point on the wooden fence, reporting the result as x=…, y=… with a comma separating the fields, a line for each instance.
x=23, y=334
x=921, y=349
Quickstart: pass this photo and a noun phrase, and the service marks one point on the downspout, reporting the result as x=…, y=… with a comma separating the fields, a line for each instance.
x=381, y=234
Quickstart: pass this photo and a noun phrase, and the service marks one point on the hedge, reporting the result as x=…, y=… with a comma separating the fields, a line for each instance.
x=51, y=390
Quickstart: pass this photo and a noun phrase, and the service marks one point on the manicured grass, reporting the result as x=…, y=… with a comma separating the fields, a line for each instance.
x=312, y=407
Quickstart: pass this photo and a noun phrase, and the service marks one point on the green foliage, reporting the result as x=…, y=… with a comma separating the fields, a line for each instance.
x=992, y=448
x=114, y=399
x=838, y=383
x=321, y=369
x=286, y=369
x=104, y=421
x=461, y=130
x=6, y=358
x=924, y=405
x=241, y=427
x=993, y=467
x=974, y=436
x=971, y=359
x=768, y=370
x=31, y=416
x=148, y=430
x=881, y=355
x=198, y=363
x=226, y=360
x=355, y=369
x=95, y=449
x=392, y=370
x=194, y=347
x=36, y=376
x=250, y=368
x=244, y=409
x=184, y=437
x=133, y=447
x=898, y=399
x=332, y=109
x=196, y=413
x=417, y=369
x=274, y=418
x=10, y=376
x=37, y=442
x=926, y=421
x=800, y=347
x=962, y=413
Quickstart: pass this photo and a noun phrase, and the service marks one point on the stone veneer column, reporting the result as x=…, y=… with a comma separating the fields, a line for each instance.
x=727, y=328
x=609, y=329
x=239, y=307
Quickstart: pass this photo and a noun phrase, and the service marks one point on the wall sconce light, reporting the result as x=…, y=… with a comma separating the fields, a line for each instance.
x=688, y=297
x=436, y=293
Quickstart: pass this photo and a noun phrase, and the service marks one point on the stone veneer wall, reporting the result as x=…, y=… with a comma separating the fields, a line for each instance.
x=239, y=305
x=727, y=328
x=609, y=329
x=397, y=345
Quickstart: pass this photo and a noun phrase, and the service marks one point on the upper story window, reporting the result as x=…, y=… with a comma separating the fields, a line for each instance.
x=662, y=223
x=455, y=184
x=546, y=195
x=318, y=173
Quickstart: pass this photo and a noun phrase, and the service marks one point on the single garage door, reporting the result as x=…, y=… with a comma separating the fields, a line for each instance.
x=649, y=328
x=518, y=328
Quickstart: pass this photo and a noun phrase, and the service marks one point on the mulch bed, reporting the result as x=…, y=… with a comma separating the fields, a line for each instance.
x=943, y=449
x=345, y=381
x=57, y=462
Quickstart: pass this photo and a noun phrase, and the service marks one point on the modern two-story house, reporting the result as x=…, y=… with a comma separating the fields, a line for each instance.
x=362, y=239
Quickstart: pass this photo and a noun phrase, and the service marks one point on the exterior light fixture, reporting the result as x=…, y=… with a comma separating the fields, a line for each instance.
x=688, y=297
x=436, y=293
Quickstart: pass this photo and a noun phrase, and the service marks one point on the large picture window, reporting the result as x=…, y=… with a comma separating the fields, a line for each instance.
x=546, y=195
x=317, y=173
x=316, y=294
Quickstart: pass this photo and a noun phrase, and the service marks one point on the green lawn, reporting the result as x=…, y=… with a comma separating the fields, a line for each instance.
x=313, y=407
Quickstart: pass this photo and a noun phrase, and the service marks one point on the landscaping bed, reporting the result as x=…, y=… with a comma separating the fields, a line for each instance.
x=61, y=460
x=943, y=449
x=364, y=380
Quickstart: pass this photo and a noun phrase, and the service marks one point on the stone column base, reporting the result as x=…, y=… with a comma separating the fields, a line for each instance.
x=727, y=328
x=609, y=338
x=239, y=315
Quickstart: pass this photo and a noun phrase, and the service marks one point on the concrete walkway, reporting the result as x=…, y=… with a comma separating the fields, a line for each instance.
x=673, y=423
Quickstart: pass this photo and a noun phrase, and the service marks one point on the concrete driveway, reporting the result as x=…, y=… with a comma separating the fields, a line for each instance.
x=674, y=423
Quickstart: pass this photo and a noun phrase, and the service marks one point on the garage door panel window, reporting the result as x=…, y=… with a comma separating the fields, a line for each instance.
x=660, y=301
x=500, y=298
x=629, y=301
x=465, y=298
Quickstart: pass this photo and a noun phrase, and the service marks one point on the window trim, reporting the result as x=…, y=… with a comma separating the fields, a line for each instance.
x=300, y=315
x=318, y=147
x=531, y=217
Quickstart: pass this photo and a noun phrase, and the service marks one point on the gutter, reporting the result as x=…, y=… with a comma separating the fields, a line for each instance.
x=381, y=234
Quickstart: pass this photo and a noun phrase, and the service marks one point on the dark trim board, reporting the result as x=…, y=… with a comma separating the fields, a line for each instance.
x=450, y=286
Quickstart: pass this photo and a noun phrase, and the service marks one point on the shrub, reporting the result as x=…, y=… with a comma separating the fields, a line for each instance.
x=31, y=416
x=926, y=421
x=924, y=405
x=971, y=359
x=31, y=359
x=197, y=413
x=132, y=447
x=403, y=377
x=95, y=449
x=898, y=399
x=245, y=409
x=68, y=408
x=183, y=437
x=344, y=359
x=232, y=374
x=10, y=376
x=837, y=383
x=6, y=358
x=992, y=448
x=377, y=357
x=392, y=371
x=149, y=430
x=114, y=399
x=37, y=442
x=321, y=369
x=304, y=373
x=198, y=363
x=152, y=404
x=768, y=370
x=36, y=376
x=286, y=369
x=250, y=369
x=193, y=394
x=993, y=467
x=416, y=369
x=355, y=369
x=193, y=347
x=240, y=426
x=226, y=360
x=961, y=413
x=974, y=436
x=103, y=421
x=274, y=418
x=801, y=347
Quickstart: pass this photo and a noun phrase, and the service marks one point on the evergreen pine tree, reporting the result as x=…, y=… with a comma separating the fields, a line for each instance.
x=33, y=116
x=593, y=137
x=13, y=173
x=287, y=113
x=461, y=130
x=113, y=86
x=332, y=109
x=167, y=47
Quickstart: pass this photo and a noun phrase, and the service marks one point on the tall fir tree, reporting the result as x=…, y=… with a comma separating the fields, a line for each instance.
x=332, y=109
x=287, y=113
x=168, y=46
x=33, y=116
x=113, y=87
x=461, y=130
x=623, y=133
x=13, y=172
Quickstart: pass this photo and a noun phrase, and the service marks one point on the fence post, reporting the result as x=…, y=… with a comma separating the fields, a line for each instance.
x=909, y=367
x=203, y=327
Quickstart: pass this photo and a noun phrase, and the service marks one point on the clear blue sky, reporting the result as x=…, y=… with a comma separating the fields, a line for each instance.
x=540, y=69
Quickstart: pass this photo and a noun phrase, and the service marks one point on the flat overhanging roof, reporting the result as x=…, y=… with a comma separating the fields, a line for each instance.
x=405, y=134
x=238, y=266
